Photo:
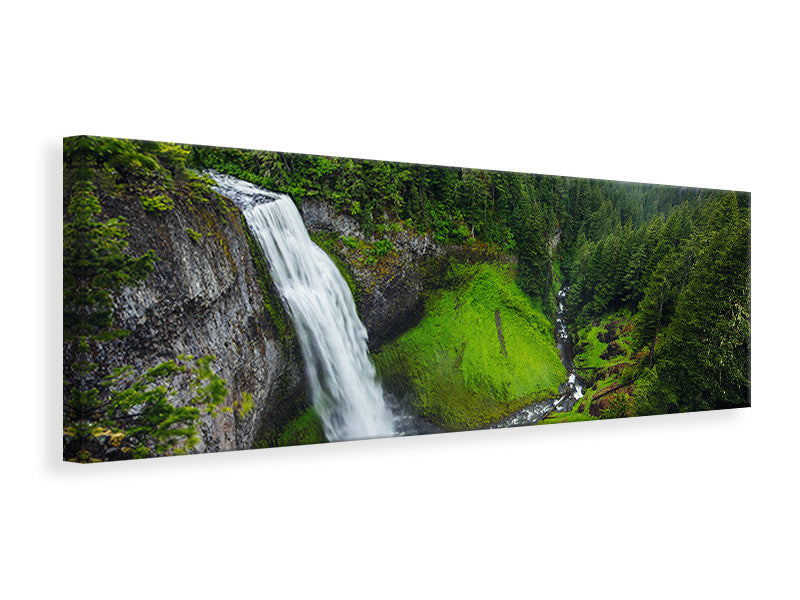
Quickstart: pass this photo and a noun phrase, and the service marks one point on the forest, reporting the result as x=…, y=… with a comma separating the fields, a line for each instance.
x=677, y=258
x=652, y=280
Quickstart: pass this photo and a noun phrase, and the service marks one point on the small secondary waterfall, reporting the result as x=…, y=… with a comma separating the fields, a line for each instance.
x=345, y=389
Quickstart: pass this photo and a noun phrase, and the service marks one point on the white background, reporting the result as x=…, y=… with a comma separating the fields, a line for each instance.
x=689, y=93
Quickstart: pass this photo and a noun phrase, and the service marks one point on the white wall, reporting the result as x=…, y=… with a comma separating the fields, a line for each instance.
x=700, y=94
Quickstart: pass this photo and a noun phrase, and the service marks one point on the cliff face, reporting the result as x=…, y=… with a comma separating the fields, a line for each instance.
x=209, y=295
x=391, y=299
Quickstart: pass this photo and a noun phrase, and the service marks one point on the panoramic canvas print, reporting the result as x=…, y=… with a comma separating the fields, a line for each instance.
x=226, y=299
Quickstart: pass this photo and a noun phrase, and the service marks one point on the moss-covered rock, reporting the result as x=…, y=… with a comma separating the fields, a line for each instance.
x=482, y=351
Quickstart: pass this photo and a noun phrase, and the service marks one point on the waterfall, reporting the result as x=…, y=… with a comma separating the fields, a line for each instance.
x=344, y=387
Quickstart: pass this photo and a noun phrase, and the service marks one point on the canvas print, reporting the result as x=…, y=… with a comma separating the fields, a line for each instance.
x=226, y=299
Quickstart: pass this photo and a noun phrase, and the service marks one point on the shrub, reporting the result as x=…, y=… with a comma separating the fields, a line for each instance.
x=350, y=242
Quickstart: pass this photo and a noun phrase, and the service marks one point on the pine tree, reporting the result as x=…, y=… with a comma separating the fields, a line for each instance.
x=132, y=413
x=531, y=248
x=708, y=346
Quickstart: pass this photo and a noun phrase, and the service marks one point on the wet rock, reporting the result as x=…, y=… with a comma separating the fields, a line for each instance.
x=320, y=216
x=391, y=301
x=207, y=296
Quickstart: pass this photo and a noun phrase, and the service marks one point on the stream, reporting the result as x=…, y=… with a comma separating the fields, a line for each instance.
x=569, y=392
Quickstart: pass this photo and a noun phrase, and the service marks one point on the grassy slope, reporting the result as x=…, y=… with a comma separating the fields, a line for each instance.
x=452, y=361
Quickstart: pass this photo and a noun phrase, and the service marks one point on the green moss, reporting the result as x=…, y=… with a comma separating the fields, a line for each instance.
x=195, y=235
x=453, y=362
x=378, y=250
x=573, y=416
x=558, y=277
x=245, y=407
x=305, y=429
x=157, y=203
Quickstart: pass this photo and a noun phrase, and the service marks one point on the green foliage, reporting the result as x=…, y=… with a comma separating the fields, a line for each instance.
x=378, y=249
x=173, y=155
x=382, y=247
x=122, y=414
x=246, y=406
x=195, y=235
x=617, y=408
x=96, y=265
x=305, y=429
x=704, y=361
x=456, y=205
x=531, y=240
x=157, y=203
x=687, y=275
x=351, y=242
x=125, y=160
x=591, y=347
x=145, y=410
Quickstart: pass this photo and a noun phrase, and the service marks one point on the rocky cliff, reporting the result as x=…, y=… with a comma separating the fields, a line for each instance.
x=390, y=299
x=210, y=293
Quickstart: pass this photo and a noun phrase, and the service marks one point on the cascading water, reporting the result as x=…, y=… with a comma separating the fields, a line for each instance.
x=345, y=390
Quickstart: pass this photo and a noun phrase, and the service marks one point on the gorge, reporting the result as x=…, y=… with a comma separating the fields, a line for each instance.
x=361, y=299
x=346, y=392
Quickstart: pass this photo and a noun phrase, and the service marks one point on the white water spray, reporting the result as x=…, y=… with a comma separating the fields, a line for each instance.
x=345, y=390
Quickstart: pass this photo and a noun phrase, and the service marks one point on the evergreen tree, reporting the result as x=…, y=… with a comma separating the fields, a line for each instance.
x=531, y=248
x=705, y=361
x=133, y=414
